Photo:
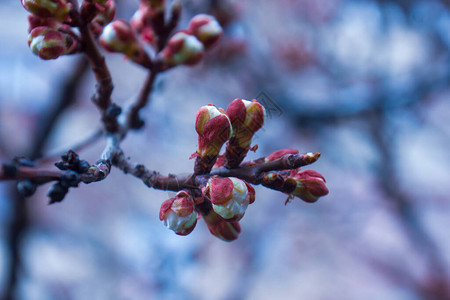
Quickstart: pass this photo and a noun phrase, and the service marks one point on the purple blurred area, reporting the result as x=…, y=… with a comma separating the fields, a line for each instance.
x=366, y=83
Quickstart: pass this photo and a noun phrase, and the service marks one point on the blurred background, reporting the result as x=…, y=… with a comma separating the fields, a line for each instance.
x=366, y=83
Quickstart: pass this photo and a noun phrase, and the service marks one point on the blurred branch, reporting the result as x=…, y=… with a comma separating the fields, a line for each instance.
x=405, y=211
x=66, y=97
x=19, y=216
x=382, y=101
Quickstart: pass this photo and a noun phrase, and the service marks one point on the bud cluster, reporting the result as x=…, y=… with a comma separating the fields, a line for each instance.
x=225, y=200
x=51, y=23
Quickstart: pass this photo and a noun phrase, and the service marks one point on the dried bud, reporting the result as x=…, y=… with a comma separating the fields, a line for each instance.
x=230, y=197
x=118, y=36
x=105, y=16
x=182, y=48
x=56, y=193
x=178, y=213
x=225, y=230
x=310, y=185
x=206, y=29
x=141, y=22
x=280, y=153
x=213, y=128
x=56, y=9
x=26, y=188
x=49, y=43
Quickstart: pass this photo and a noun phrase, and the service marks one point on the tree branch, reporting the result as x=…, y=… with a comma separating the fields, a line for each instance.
x=133, y=119
x=104, y=88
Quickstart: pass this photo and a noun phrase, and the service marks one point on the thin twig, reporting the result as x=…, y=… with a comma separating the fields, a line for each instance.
x=133, y=119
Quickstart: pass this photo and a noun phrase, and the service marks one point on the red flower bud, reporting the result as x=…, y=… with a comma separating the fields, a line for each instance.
x=182, y=48
x=310, y=185
x=35, y=21
x=206, y=29
x=118, y=36
x=213, y=128
x=280, y=153
x=56, y=9
x=105, y=16
x=49, y=43
x=230, y=196
x=246, y=117
x=224, y=230
x=178, y=213
x=141, y=22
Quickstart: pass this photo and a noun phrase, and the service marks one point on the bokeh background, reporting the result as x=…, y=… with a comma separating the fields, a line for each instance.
x=366, y=83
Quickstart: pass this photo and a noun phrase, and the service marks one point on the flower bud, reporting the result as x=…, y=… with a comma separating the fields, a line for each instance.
x=118, y=36
x=56, y=9
x=310, y=186
x=280, y=153
x=141, y=21
x=178, y=213
x=105, y=16
x=49, y=43
x=35, y=21
x=214, y=129
x=230, y=197
x=225, y=230
x=182, y=48
x=246, y=117
x=206, y=29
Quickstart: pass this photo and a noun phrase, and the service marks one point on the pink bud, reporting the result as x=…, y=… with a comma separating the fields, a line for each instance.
x=141, y=22
x=206, y=29
x=56, y=9
x=224, y=230
x=230, y=196
x=118, y=36
x=35, y=21
x=105, y=16
x=246, y=117
x=49, y=43
x=280, y=153
x=213, y=128
x=310, y=185
x=182, y=48
x=178, y=213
